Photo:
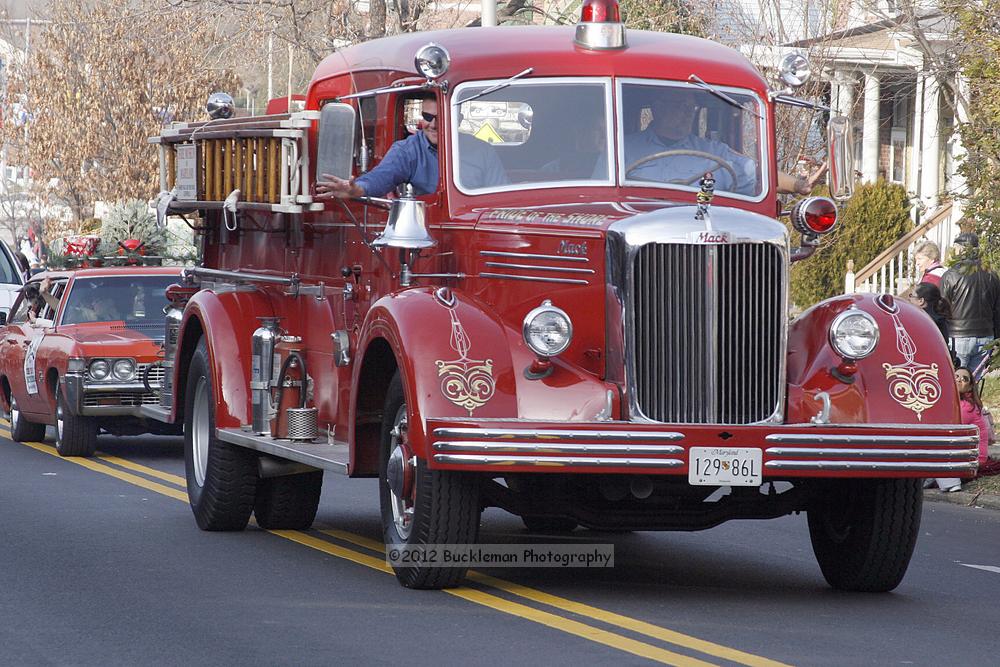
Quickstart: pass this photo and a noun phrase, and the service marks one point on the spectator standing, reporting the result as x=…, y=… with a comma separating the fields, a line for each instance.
x=927, y=296
x=974, y=295
x=927, y=257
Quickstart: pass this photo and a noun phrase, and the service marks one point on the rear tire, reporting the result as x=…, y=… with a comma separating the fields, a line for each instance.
x=75, y=435
x=221, y=478
x=863, y=532
x=442, y=508
x=22, y=430
x=288, y=502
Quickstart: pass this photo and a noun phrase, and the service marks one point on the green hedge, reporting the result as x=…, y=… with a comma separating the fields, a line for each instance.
x=874, y=218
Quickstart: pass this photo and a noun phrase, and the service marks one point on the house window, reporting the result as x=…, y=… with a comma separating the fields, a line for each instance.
x=897, y=155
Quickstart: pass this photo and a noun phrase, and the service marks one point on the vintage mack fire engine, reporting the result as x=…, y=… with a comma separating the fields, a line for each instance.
x=583, y=322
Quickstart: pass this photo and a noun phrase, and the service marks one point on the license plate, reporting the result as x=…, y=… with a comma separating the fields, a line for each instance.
x=725, y=466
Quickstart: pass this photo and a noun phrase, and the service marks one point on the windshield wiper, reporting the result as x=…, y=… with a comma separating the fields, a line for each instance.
x=696, y=80
x=495, y=88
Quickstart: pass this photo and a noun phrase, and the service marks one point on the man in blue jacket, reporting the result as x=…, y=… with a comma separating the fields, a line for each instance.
x=414, y=160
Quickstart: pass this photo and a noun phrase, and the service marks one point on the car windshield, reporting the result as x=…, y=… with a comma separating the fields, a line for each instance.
x=543, y=133
x=117, y=298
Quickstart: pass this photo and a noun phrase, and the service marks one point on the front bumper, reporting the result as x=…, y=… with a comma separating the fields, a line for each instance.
x=789, y=450
x=120, y=399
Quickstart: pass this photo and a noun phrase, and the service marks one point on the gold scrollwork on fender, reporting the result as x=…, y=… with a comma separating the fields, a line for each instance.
x=468, y=383
x=911, y=384
x=914, y=386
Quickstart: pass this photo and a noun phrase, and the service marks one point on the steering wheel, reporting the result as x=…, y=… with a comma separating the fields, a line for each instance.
x=684, y=151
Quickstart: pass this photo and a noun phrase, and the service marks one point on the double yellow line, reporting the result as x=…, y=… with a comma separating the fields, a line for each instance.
x=125, y=471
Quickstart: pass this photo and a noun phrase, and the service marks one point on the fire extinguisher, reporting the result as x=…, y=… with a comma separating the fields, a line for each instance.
x=293, y=420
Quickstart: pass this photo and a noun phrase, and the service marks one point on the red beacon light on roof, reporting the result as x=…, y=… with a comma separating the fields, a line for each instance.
x=600, y=26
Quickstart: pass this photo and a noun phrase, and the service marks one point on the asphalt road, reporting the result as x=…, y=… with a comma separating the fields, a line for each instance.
x=101, y=564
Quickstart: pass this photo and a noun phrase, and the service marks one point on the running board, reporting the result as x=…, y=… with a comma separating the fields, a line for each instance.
x=317, y=453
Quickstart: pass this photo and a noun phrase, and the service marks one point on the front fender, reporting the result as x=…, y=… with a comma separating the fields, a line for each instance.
x=227, y=321
x=458, y=359
x=907, y=379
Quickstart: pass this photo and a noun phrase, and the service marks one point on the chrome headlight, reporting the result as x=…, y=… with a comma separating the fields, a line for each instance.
x=123, y=370
x=99, y=369
x=547, y=330
x=854, y=334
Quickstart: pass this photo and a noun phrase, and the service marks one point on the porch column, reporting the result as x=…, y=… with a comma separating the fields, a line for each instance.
x=930, y=156
x=916, y=135
x=956, y=184
x=870, y=129
x=845, y=93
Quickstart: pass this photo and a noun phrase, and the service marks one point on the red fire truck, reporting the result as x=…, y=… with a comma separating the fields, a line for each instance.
x=597, y=337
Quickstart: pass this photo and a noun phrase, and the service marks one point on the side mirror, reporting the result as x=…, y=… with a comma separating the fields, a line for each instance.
x=3, y=317
x=335, y=151
x=840, y=150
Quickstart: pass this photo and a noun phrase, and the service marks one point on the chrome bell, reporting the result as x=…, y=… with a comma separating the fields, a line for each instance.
x=220, y=105
x=407, y=224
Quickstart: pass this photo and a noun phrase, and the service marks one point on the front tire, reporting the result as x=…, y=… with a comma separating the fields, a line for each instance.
x=75, y=435
x=221, y=478
x=863, y=532
x=22, y=430
x=437, y=507
x=288, y=502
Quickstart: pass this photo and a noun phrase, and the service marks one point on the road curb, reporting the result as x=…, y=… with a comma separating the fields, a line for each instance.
x=986, y=500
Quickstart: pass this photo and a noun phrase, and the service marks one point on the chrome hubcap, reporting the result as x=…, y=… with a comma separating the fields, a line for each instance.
x=400, y=501
x=59, y=422
x=199, y=431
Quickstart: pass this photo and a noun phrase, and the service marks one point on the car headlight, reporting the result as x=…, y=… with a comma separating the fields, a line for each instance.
x=124, y=369
x=99, y=369
x=547, y=330
x=854, y=334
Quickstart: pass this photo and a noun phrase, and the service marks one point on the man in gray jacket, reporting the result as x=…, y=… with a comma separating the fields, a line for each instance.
x=974, y=295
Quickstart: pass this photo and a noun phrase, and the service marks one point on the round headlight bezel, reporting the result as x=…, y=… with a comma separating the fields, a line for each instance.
x=838, y=322
x=94, y=374
x=548, y=310
x=125, y=363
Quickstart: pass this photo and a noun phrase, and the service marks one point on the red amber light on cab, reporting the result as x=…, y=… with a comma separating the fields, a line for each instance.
x=814, y=215
x=600, y=11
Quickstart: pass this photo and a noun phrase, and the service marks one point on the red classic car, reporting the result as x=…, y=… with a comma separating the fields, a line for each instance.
x=82, y=352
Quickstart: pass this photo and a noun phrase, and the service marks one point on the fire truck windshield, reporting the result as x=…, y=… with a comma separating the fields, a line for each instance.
x=555, y=133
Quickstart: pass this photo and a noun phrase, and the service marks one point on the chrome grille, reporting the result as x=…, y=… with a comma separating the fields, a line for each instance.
x=127, y=399
x=708, y=332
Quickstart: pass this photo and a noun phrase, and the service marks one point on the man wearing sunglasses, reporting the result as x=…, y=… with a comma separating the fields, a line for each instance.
x=414, y=160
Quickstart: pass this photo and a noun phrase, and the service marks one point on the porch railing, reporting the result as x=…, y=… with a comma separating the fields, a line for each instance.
x=893, y=270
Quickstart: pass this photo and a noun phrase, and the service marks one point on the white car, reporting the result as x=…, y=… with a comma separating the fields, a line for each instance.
x=10, y=277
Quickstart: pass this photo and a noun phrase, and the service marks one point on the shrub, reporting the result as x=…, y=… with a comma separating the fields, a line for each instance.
x=874, y=218
x=131, y=220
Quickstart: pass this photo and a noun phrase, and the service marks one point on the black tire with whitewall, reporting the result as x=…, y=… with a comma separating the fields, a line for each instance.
x=863, y=532
x=221, y=478
x=288, y=502
x=439, y=507
x=22, y=430
x=75, y=435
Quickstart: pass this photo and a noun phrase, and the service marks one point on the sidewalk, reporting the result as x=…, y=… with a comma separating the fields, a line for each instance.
x=984, y=492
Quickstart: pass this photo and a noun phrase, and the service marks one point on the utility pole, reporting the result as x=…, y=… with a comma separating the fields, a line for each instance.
x=489, y=13
x=270, y=62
